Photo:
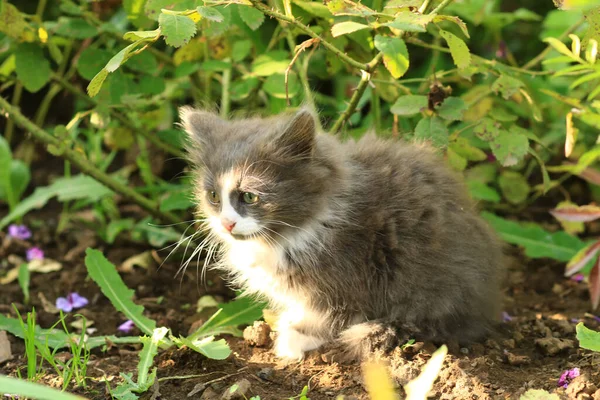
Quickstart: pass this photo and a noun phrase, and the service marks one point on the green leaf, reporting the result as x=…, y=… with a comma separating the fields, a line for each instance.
x=105, y=274
x=24, y=389
x=157, y=236
x=134, y=36
x=432, y=129
x=560, y=47
x=315, y=8
x=33, y=69
x=176, y=29
x=118, y=59
x=24, y=280
x=74, y=188
x=537, y=242
x=514, y=187
x=115, y=227
x=240, y=89
x=346, y=27
x=149, y=351
x=459, y=22
x=465, y=149
x=270, y=63
x=458, y=49
x=409, y=105
x=14, y=24
x=19, y=177
x=487, y=130
x=55, y=338
x=275, y=85
x=240, y=311
x=91, y=61
x=240, y=50
x=510, y=147
x=588, y=339
x=177, y=200
x=507, y=85
x=456, y=161
x=452, y=109
x=75, y=28
x=216, y=350
x=251, y=16
x=96, y=83
x=410, y=22
x=5, y=168
x=395, y=54
x=210, y=13
x=481, y=191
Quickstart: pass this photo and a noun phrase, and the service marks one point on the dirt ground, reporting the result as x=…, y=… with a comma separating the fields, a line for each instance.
x=530, y=351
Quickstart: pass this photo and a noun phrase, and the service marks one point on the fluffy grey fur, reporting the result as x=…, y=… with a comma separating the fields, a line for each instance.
x=367, y=243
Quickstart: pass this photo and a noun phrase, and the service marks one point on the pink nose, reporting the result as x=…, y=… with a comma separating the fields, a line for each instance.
x=228, y=224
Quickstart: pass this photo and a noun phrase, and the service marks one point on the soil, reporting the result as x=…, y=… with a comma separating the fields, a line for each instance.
x=531, y=351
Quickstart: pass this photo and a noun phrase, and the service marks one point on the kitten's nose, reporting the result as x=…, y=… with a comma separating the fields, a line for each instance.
x=228, y=224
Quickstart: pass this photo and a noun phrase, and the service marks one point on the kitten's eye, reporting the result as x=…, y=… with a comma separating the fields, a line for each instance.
x=249, y=198
x=214, y=197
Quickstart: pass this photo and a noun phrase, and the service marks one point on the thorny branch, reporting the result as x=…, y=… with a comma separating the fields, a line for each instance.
x=86, y=166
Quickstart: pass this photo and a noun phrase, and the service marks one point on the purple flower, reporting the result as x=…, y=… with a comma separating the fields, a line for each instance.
x=34, y=253
x=126, y=326
x=19, y=231
x=578, y=277
x=73, y=301
x=506, y=317
x=567, y=377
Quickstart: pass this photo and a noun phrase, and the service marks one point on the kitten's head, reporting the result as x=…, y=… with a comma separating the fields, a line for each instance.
x=256, y=177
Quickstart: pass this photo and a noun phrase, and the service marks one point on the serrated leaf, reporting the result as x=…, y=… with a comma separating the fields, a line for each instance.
x=409, y=105
x=487, y=130
x=395, y=54
x=76, y=187
x=432, y=129
x=459, y=22
x=96, y=83
x=149, y=351
x=210, y=13
x=346, y=27
x=510, y=147
x=410, y=22
x=251, y=17
x=452, y=109
x=458, y=49
x=514, y=187
x=537, y=242
x=176, y=29
x=33, y=69
x=105, y=274
x=507, y=85
x=588, y=339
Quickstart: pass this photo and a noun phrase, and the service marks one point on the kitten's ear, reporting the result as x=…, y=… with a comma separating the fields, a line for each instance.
x=298, y=137
x=200, y=125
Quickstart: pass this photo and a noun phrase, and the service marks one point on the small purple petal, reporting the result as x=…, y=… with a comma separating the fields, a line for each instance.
x=35, y=253
x=506, y=317
x=64, y=304
x=567, y=376
x=575, y=320
x=596, y=318
x=19, y=231
x=578, y=278
x=126, y=326
x=77, y=301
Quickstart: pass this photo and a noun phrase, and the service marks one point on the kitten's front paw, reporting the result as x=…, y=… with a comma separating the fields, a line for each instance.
x=290, y=344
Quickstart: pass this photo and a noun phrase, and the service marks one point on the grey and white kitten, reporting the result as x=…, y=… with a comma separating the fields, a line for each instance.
x=364, y=243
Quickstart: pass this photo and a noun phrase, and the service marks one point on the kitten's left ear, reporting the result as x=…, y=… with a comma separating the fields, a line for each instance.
x=298, y=137
x=200, y=125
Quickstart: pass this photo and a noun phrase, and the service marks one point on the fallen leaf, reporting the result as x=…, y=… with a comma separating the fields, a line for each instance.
x=5, y=350
x=142, y=260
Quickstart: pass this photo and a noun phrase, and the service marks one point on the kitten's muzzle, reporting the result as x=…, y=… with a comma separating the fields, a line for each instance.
x=227, y=224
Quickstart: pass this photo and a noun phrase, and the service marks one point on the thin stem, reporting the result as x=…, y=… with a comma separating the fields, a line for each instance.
x=275, y=14
x=442, y=5
x=86, y=167
x=16, y=99
x=538, y=59
x=225, y=99
x=424, y=6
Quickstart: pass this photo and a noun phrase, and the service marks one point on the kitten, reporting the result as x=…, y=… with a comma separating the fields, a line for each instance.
x=364, y=243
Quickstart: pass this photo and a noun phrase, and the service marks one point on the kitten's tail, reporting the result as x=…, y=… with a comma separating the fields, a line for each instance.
x=373, y=338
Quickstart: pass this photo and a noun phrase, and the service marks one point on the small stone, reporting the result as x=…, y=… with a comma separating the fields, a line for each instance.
x=464, y=350
x=258, y=334
x=580, y=388
x=551, y=346
x=492, y=344
x=209, y=394
x=237, y=391
x=514, y=359
x=565, y=327
x=265, y=374
x=5, y=351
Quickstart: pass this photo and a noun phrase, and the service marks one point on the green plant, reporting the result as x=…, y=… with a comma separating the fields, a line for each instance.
x=21, y=388
x=14, y=176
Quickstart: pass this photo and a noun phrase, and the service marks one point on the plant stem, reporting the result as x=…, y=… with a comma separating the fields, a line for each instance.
x=16, y=99
x=116, y=114
x=538, y=59
x=440, y=7
x=225, y=100
x=424, y=6
x=275, y=14
x=84, y=164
